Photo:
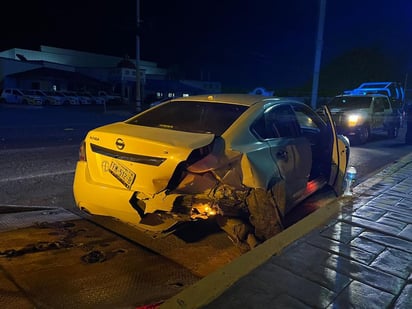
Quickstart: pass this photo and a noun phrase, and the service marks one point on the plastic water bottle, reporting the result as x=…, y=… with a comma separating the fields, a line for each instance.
x=350, y=179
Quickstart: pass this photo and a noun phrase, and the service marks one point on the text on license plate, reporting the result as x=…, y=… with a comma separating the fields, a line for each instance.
x=122, y=173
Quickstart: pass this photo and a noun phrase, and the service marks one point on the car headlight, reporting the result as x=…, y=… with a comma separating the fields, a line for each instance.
x=354, y=120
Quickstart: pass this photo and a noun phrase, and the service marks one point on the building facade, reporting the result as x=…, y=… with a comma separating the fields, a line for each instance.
x=53, y=68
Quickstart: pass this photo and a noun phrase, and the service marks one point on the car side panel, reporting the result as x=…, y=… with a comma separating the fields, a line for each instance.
x=293, y=158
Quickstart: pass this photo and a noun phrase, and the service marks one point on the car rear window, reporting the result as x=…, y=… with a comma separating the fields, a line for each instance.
x=191, y=116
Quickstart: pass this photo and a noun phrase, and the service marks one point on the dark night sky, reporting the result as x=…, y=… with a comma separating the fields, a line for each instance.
x=241, y=43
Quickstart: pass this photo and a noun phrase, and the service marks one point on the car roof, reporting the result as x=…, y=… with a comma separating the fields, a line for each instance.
x=228, y=98
x=362, y=95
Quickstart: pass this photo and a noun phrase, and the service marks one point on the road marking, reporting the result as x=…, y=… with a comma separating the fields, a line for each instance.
x=37, y=176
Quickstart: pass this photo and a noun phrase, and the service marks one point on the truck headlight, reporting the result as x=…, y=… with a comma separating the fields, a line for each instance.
x=354, y=120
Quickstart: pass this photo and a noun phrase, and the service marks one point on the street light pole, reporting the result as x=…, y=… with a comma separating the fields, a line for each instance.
x=138, y=94
x=318, y=53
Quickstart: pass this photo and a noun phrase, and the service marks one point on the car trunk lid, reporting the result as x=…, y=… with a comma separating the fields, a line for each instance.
x=139, y=158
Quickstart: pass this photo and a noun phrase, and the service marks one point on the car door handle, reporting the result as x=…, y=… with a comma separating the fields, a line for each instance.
x=282, y=154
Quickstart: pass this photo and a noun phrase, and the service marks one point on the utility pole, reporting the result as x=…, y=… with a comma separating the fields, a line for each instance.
x=318, y=53
x=138, y=94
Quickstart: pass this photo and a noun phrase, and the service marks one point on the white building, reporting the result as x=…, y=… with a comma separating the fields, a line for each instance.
x=66, y=69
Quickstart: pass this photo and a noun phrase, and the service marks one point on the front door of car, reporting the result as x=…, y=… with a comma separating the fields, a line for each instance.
x=291, y=152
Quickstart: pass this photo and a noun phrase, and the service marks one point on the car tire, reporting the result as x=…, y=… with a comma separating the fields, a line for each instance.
x=264, y=214
x=239, y=232
x=393, y=132
x=364, y=134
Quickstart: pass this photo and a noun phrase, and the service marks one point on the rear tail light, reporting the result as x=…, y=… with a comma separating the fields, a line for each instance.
x=82, y=151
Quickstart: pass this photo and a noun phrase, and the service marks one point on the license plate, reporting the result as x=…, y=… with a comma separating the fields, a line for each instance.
x=122, y=173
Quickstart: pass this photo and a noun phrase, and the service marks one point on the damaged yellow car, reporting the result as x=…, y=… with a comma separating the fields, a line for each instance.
x=243, y=160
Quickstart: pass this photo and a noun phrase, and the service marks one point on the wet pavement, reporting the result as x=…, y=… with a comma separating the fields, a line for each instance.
x=354, y=253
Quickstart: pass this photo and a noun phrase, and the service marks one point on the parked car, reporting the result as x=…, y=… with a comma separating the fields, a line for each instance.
x=19, y=96
x=48, y=97
x=244, y=160
x=357, y=116
x=12, y=95
x=111, y=98
x=70, y=98
x=55, y=98
x=96, y=99
x=32, y=97
x=84, y=98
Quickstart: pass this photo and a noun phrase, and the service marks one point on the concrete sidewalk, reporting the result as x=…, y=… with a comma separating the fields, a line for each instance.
x=354, y=253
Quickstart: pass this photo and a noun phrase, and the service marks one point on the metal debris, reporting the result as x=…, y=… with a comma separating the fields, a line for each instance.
x=94, y=256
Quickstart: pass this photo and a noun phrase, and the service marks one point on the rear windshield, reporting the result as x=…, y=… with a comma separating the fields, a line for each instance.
x=350, y=102
x=190, y=116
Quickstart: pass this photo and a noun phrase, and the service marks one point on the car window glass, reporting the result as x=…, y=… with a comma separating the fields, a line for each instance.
x=281, y=121
x=306, y=122
x=378, y=107
x=259, y=128
x=310, y=123
x=197, y=117
x=385, y=103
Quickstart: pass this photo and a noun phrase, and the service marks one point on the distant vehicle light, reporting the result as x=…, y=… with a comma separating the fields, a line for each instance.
x=354, y=119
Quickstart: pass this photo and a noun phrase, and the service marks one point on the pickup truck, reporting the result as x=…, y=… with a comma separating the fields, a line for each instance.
x=357, y=116
x=394, y=91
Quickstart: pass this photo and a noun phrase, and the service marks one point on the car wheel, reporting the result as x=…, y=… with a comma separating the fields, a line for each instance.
x=364, y=134
x=264, y=214
x=239, y=232
x=393, y=132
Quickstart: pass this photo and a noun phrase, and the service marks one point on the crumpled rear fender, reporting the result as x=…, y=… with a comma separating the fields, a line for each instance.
x=258, y=169
x=217, y=183
x=230, y=169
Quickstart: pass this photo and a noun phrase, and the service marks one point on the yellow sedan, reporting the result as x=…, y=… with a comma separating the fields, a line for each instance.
x=243, y=160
